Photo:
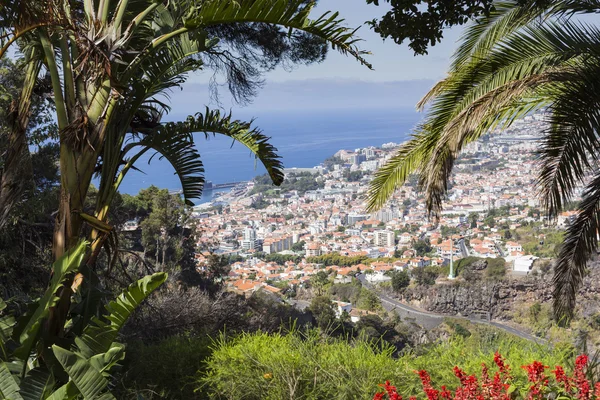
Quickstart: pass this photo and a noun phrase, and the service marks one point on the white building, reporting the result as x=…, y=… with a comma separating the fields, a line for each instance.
x=524, y=263
x=385, y=238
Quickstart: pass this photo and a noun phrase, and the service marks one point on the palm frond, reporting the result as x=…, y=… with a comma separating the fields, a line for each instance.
x=407, y=160
x=292, y=14
x=581, y=240
x=487, y=31
x=509, y=83
x=570, y=147
x=178, y=148
x=174, y=141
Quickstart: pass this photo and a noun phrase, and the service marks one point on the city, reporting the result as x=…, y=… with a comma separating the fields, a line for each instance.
x=302, y=226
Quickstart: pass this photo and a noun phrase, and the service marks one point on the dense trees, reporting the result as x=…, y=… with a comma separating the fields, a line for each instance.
x=301, y=182
x=323, y=310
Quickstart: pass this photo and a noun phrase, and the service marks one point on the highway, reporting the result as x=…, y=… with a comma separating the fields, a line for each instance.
x=430, y=320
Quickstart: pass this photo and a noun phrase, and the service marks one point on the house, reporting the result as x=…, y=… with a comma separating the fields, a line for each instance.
x=565, y=219
x=513, y=247
x=312, y=249
x=523, y=264
x=377, y=276
x=341, y=306
x=404, y=238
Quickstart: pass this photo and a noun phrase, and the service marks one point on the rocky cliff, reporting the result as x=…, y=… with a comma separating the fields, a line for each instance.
x=498, y=298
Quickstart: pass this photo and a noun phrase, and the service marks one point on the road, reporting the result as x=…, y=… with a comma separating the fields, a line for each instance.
x=430, y=320
x=463, y=248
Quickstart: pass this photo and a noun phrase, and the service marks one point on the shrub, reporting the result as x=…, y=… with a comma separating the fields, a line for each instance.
x=261, y=366
x=166, y=369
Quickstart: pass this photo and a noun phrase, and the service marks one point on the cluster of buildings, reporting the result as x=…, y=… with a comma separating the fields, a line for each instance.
x=497, y=172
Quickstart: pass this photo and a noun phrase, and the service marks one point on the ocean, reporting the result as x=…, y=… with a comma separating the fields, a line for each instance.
x=303, y=139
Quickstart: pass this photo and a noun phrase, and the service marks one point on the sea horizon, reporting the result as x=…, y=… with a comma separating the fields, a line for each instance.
x=304, y=139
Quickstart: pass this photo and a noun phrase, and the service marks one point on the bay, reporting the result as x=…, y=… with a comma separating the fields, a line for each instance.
x=303, y=139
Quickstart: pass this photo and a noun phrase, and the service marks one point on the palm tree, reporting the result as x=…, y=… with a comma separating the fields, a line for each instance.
x=112, y=64
x=518, y=59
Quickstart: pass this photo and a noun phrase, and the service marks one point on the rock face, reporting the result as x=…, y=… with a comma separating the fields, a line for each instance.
x=497, y=298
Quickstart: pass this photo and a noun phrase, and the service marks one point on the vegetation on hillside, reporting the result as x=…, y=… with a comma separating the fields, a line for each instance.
x=297, y=181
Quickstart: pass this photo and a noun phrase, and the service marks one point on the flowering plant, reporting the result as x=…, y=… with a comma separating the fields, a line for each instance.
x=499, y=386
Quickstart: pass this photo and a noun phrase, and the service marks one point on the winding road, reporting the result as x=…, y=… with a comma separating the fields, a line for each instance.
x=430, y=320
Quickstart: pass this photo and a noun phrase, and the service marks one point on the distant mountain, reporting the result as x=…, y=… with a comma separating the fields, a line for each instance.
x=316, y=94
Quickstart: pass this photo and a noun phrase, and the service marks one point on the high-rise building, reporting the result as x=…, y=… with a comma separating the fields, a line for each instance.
x=249, y=234
x=385, y=238
x=249, y=242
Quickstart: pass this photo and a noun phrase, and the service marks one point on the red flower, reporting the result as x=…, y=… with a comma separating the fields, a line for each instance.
x=597, y=390
x=535, y=375
x=504, y=368
x=581, y=382
x=430, y=392
x=562, y=378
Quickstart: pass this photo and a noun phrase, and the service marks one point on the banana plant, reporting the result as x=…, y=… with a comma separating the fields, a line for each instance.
x=36, y=365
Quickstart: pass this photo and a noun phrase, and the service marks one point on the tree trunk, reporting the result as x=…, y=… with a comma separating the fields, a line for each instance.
x=17, y=169
x=164, y=253
x=156, y=253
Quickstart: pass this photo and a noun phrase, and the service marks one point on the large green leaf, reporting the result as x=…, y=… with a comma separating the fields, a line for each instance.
x=37, y=384
x=67, y=391
x=88, y=380
x=9, y=388
x=99, y=336
x=65, y=265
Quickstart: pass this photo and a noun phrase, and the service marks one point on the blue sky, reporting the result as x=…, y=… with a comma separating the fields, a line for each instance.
x=399, y=78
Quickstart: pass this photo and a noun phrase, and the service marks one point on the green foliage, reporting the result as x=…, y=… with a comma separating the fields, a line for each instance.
x=346, y=292
x=298, y=246
x=337, y=259
x=400, y=280
x=544, y=247
x=368, y=300
x=323, y=310
x=459, y=329
x=302, y=182
x=448, y=231
x=489, y=221
x=83, y=360
x=423, y=25
x=260, y=204
x=165, y=369
x=353, y=176
x=261, y=366
x=319, y=281
x=496, y=268
x=425, y=275
x=281, y=259
x=422, y=247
